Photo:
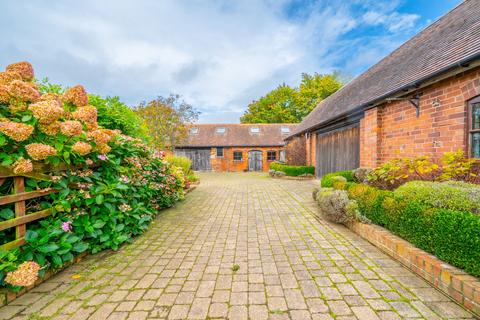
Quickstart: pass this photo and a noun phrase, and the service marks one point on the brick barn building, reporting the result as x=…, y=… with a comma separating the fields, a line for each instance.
x=422, y=99
x=235, y=147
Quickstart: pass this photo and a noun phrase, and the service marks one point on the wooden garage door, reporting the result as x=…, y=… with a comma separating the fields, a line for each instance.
x=200, y=158
x=338, y=150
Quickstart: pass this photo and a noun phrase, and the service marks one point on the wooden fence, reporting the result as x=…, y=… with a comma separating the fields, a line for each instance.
x=19, y=197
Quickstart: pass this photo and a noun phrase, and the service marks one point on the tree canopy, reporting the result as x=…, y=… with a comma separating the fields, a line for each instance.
x=167, y=120
x=285, y=104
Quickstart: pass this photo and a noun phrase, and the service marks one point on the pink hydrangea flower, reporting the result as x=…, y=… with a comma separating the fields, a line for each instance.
x=124, y=179
x=103, y=157
x=67, y=226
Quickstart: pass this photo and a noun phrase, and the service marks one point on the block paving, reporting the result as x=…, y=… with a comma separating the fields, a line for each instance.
x=241, y=246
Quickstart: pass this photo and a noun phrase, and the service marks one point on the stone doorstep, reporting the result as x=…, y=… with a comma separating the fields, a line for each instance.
x=7, y=296
x=458, y=285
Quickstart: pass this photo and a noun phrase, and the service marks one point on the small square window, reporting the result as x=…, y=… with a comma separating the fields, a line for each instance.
x=271, y=155
x=237, y=155
x=220, y=130
x=193, y=130
x=285, y=130
x=220, y=152
x=255, y=130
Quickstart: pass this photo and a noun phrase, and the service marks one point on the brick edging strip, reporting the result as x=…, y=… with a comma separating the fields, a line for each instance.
x=458, y=285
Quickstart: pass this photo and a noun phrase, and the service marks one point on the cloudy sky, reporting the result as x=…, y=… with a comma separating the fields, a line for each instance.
x=218, y=54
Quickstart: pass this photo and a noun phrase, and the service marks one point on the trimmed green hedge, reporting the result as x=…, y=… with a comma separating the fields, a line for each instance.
x=292, y=170
x=327, y=181
x=451, y=235
x=454, y=195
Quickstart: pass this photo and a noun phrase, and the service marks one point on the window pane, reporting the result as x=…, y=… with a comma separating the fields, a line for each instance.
x=193, y=130
x=255, y=130
x=476, y=145
x=220, y=130
x=285, y=130
x=271, y=155
x=476, y=116
x=237, y=155
x=219, y=152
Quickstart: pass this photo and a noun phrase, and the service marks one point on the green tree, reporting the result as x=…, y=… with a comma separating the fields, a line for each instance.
x=290, y=105
x=114, y=114
x=312, y=90
x=167, y=120
x=274, y=107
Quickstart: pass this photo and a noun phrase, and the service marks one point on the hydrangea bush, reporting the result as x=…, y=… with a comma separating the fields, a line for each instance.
x=112, y=187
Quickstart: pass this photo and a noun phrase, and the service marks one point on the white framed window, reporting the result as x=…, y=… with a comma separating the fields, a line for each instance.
x=220, y=152
x=220, y=130
x=255, y=130
x=193, y=130
x=285, y=130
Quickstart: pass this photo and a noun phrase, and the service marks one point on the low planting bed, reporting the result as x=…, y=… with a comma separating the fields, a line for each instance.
x=440, y=217
x=280, y=170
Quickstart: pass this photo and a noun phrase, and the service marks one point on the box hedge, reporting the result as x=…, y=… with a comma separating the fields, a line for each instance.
x=292, y=170
x=428, y=222
x=327, y=180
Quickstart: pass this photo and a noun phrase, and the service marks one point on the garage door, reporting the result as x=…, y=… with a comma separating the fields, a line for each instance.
x=200, y=158
x=338, y=150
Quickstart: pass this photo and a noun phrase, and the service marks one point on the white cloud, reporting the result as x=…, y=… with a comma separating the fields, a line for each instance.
x=219, y=54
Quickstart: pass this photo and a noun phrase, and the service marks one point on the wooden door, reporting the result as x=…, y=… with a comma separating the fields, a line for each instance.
x=200, y=158
x=255, y=161
x=338, y=150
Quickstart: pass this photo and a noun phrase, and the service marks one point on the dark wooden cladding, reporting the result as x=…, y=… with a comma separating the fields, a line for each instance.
x=200, y=158
x=338, y=150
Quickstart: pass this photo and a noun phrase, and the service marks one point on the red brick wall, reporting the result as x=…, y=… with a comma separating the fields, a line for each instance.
x=227, y=164
x=393, y=130
x=311, y=149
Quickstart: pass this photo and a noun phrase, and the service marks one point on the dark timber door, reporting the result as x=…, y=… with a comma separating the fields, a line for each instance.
x=255, y=161
x=338, y=150
x=200, y=158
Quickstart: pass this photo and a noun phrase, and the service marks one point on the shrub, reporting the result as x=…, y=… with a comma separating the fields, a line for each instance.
x=361, y=174
x=453, y=166
x=113, y=188
x=335, y=205
x=292, y=170
x=451, y=235
x=182, y=162
x=455, y=195
x=339, y=183
x=327, y=180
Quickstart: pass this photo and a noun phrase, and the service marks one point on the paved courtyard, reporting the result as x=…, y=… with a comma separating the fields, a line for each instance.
x=241, y=246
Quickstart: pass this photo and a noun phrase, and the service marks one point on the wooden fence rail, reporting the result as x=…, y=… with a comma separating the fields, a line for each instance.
x=19, y=198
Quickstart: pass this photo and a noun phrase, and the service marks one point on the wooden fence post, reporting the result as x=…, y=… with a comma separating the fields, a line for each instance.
x=19, y=186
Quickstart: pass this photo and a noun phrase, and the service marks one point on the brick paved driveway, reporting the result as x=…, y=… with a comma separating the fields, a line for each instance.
x=290, y=266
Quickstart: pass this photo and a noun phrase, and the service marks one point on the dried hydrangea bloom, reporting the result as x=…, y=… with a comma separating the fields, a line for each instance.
x=24, y=68
x=16, y=131
x=82, y=148
x=71, y=128
x=8, y=76
x=50, y=129
x=91, y=126
x=89, y=162
x=86, y=114
x=40, y=151
x=51, y=96
x=99, y=136
x=46, y=111
x=103, y=148
x=25, y=275
x=24, y=91
x=76, y=95
x=22, y=165
x=4, y=95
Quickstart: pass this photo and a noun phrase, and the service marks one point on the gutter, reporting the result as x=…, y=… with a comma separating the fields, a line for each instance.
x=463, y=63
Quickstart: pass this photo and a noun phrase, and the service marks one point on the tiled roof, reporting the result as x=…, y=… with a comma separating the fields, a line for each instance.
x=448, y=43
x=238, y=135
